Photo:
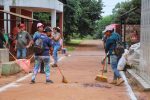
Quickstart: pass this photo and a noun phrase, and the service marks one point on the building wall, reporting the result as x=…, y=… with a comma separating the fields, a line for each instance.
x=144, y=69
x=13, y=19
x=51, y=4
x=29, y=14
x=1, y=17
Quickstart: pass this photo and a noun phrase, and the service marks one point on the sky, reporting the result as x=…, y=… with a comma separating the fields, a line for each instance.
x=109, y=5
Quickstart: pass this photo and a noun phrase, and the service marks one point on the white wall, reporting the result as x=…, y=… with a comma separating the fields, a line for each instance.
x=144, y=69
x=51, y=4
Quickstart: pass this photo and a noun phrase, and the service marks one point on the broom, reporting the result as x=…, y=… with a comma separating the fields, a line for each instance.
x=64, y=80
x=101, y=77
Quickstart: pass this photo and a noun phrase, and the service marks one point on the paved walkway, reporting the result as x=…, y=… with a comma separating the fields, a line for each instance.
x=80, y=69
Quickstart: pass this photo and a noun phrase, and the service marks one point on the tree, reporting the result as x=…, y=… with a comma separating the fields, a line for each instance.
x=101, y=24
x=80, y=17
x=91, y=12
x=123, y=7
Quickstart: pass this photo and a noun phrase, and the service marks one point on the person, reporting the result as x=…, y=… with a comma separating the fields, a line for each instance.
x=40, y=28
x=22, y=42
x=2, y=40
x=6, y=36
x=48, y=32
x=134, y=37
x=56, y=38
x=110, y=48
x=43, y=56
x=104, y=39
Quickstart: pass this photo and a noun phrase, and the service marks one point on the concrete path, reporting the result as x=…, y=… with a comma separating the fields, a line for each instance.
x=80, y=69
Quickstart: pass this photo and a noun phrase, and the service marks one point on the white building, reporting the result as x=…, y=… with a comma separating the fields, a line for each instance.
x=26, y=8
x=144, y=69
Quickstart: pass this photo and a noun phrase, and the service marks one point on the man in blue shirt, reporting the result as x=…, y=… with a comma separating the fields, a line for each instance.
x=44, y=56
x=110, y=49
x=40, y=28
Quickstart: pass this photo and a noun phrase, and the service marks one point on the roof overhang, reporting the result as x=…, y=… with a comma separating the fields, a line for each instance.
x=18, y=15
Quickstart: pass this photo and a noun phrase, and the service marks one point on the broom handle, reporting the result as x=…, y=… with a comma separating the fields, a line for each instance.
x=14, y=56
x=60, y=71
x=103, y=69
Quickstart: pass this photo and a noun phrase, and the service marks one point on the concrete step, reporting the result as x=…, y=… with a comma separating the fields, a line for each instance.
x=10, y=68
x=4, y=55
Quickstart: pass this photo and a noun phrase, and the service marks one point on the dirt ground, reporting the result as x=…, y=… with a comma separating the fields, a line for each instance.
x=80, y=69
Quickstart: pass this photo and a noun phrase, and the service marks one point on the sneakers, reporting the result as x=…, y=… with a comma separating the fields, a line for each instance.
x=54, y=65
x=32, y=81
x=119, y=81
x=113, y=82
x=49, y=81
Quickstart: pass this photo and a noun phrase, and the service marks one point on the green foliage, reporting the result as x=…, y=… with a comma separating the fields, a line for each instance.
x=80, y=17
x=72, y=43
x=123, y=7
x=42, y=16
x=101, y=24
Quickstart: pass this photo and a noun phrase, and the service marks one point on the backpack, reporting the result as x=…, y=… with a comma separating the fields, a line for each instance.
x=119, y=49
x=38, y=46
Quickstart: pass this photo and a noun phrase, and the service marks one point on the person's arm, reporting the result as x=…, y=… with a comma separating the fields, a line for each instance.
x=57, y=37
x=30, y=40
x=109, y=43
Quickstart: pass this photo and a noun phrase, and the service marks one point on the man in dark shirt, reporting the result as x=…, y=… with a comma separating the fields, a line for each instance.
x=22, y=42
x=44, y=56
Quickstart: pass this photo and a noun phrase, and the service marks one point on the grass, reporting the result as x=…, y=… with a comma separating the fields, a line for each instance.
x=72, y=44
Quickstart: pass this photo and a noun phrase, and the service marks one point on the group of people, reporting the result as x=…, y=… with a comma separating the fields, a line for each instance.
x=50, y=42
x=110, y=40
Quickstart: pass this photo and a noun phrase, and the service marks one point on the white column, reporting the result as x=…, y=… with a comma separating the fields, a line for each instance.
x=53, y=18
x=6, y=8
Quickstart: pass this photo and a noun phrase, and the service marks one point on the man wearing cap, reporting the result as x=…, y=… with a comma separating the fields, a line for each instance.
x=110, y=49
x=40, y=28
x=22, y=42
x=44, y=56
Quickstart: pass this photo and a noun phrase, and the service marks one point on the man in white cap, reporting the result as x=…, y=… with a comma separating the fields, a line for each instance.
x=40, y=29
x=110, y=45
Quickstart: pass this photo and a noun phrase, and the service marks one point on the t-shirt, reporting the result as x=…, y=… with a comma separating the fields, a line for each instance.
x=35, y=34
x=47, y=43
x=6, y=36
x=22, y=39
x=56, y=41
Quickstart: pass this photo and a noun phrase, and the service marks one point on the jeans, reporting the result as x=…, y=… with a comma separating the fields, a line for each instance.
x=21, y=53
x=38, y=61
x=55, y=55
x=114, y=63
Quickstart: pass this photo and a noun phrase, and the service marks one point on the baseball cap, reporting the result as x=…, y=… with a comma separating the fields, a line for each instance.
x=39, y=24
x=108, y=28
x=22, y=25
x=47, y=29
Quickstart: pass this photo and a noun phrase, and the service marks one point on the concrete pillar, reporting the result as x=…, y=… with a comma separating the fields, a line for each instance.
x=53, y=18
x=61, y=23
x=4, y=55
x=7, y=8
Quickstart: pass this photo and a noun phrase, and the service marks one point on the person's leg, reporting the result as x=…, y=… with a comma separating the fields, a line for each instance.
x=36, y=67
x=46, y=60
x=42, y=67
x=24, y=53
x=18, y=53
x=114, y=62
x=56, y=48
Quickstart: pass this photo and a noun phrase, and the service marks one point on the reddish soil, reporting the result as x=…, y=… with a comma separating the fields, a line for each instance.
x=80, y=69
